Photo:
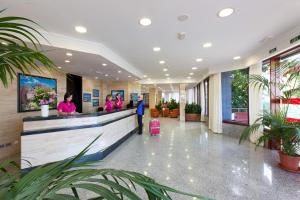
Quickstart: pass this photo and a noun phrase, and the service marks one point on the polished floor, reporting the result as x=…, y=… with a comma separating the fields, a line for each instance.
x=188, y=157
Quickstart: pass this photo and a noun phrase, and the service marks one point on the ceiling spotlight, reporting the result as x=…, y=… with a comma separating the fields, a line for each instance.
x=165, y=69
x=106, y=75
x=194, y=68
x=96, y=77
x=129, y=76
x=207, y=45
x=162, y=62
x=189, y=77
x=167, y=74
x=149, y=79
x=145, y=21
x=156, y=49
x=226, y=12
x=199, y=60
x=236, y=58
x=80, y=29
x=145, y=76
x=67, y=61
x=168, y=78
x=59, y=67
x=119, y=71
x=117, y=78
x=69, y=54
x=191, y=73
x=104, y=64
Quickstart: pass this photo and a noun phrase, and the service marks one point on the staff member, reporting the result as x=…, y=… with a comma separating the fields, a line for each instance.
x=108, y=104
x=140, y=112
x=66, y=107
x=118, y=102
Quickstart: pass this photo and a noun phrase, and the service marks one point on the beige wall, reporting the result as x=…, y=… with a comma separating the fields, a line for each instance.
x=11, y=120
x=87, y=87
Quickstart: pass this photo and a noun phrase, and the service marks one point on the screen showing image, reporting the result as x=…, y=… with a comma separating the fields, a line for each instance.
x=115, y=92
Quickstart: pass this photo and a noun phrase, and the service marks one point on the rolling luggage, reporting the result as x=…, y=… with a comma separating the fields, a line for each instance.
x=154, y=127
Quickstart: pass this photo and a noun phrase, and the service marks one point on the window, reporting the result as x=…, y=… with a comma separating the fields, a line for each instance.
x=235, y=97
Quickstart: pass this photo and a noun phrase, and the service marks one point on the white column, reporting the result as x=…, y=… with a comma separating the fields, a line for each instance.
x=255, y=102
x=215, y=103
x=202, y=101
x=182, y=100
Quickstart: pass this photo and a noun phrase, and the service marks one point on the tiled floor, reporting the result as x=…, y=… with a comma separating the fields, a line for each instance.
x=187, y=157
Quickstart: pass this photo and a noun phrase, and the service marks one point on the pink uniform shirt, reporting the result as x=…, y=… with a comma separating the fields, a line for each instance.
x=108, y=106
x=118, y=104
x=68, y=107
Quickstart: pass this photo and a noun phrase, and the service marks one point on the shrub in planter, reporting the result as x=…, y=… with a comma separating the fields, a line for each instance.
x=281, y=128
x=173, y=107
x=192, y=112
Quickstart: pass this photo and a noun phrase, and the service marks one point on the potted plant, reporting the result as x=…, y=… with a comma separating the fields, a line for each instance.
x=173, y=107
x=192, y=112
x=280, y=127
x=44, y=97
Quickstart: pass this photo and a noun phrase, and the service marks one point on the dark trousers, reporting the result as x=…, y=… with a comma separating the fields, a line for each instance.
x=140, y=122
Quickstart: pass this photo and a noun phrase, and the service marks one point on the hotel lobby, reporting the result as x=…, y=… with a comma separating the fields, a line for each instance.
x=150, y=99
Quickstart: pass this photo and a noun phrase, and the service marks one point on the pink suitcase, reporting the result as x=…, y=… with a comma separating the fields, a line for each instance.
x=154, y=127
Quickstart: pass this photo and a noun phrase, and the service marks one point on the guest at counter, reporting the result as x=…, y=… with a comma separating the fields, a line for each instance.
x=66, y=107
x=118, y=102
x=108, y=104
x=140, y=112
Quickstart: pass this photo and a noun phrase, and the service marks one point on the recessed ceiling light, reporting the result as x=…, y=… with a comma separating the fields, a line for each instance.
x=67, y=61
x=129, y=76
x=167, y=74
x=194, y=68
x=162, y=62
x=106, y=74
x=191, y=73
x=80, y=29
x=168, y=78
x=199, y=60
x=149, y=79
x=145, y=76
x=165, y=69
x=69, y=54
x=156, y=49
x=96, y=77
x=59, y=67
x=119, y=71
x=236, y=58
x=117, y=78
x=207, y=45
x=189, y=77
x=104, y=64
x=226, y=12
x=145, y=21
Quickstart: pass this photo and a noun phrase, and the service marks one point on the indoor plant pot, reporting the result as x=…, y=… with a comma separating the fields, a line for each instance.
x=44, y=110
x=192, y=117
x=173, y=114
x=154, y=112
x=289, y=163
x=193, y=112
x=165, y=112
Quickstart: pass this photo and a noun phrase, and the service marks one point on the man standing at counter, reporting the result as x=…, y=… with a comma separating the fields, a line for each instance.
x=66, y=107
x=140, y=112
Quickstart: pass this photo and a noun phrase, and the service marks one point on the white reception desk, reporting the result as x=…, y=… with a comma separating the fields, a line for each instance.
x=46, y=140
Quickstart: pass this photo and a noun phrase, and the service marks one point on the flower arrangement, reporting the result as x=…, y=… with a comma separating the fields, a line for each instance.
x=44, y=96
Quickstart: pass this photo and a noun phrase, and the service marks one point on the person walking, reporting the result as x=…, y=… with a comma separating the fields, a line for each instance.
x=140, y=112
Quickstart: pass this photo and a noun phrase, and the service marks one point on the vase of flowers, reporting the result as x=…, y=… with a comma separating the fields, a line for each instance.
x=44, y=97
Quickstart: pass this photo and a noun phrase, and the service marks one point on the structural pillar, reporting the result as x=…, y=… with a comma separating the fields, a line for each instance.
x=152, y=97
x=159, y=96
x=182, y=100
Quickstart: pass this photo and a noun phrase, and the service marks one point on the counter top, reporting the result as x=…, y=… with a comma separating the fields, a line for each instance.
x=80, y=115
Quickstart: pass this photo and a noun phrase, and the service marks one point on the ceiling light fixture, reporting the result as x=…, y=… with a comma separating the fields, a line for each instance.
x=194, y=68
x=191, y=73
x=189, y=77
x=117, y=78
x=226, y=12
x=69, y=54
x=207, y=45
x=145, y=76
x=162, y=62
x=145, y=21
x=199, y=60
x=168, y=78
x=149, y=79
x=80, y=29
x=156, y=49
x=167, y=74
x=96, y=77
x=67, y=61
x=129, y=76
x=106, y=75
x=59, y=67
x=236, y=57
x=104, y=64
x=165, y=69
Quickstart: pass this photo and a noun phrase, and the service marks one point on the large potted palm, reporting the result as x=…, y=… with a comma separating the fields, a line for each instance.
x=68, y=178
x=280, y=127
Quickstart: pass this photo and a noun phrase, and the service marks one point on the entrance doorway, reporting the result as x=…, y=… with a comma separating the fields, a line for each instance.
x=74, y=86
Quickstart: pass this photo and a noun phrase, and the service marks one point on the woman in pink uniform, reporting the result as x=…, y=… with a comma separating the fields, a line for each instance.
x=108, y=104
x=66, y=107
x=118, y=102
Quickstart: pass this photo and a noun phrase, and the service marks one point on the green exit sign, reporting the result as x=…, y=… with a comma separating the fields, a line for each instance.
x=295, y=39
x=273, y=50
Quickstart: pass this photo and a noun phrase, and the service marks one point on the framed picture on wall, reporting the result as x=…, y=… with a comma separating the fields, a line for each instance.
x=28, y=86
x=87, y=97
x=96, y=93
x=95, y=102
x=115, y=92
x=134, y=97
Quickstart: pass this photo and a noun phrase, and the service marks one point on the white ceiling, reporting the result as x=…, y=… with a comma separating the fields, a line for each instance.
x=114, y=23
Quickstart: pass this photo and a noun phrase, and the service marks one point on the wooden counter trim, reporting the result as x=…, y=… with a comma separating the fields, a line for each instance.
x=24, y=133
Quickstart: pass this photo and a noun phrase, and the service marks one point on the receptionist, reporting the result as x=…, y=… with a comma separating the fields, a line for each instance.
x=66, y=107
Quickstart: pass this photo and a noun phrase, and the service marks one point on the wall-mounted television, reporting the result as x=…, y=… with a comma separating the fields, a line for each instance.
x=27, y=86
x=115, y=92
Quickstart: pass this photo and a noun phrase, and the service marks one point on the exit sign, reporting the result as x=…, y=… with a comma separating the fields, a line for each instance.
x=273, y=50
x=295, y=39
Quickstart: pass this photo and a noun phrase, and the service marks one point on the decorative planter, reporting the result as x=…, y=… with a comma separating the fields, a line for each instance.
x=176, y=110
x=44, y=110
x=289, y=163
x=154, y=112
x=192, y=117
x=165, y=112
x=173, y=114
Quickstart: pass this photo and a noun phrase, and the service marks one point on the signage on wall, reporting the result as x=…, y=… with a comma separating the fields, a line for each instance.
x=295, y=39
x=96, y=93
x=87, y=97
x=95, y=102
x=273, y=50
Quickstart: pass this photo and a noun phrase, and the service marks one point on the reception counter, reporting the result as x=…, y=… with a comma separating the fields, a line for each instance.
x=55, y=138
